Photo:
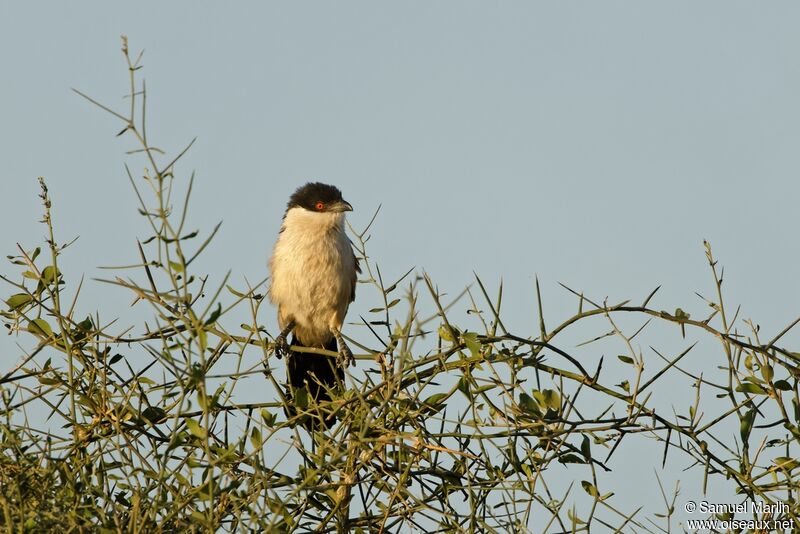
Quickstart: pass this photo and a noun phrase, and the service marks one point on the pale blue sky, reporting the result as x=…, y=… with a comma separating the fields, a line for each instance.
x=593, y=143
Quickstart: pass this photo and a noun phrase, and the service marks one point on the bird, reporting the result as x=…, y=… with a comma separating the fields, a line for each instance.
x=313, y=273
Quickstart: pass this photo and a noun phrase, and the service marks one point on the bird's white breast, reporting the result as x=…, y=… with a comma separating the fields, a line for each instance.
x=312, y=269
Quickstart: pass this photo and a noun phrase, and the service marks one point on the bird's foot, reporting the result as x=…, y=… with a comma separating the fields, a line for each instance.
x=281, y=346
x=345, y=357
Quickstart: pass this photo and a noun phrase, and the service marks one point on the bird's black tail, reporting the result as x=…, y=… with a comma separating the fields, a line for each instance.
x=317, y=374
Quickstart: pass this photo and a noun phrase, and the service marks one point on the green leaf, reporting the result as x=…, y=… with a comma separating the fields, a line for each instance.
x=47, y=381
x=746, y=425
x=570, y=458
x=236, y=293
x=472, y=343
x=626, y=359
x=255, y=438
x=766, y=372
x=624, y=385
x=529, y=405
x=445, y=334
x=267, y=417
x=748, y=387
x=214, y=315
x=50, y=274
x=154, y=414
x=463, y=386
x=18, y=301
x=176, y=266
x=589, y=488
x=574, y=518
x=681, y=315
x=784, y=462
x=782, y=385
x=301, y=398
x=40, y=328
x=195, y=429
x=586, y=448
x=552, y=400
x=435, y=400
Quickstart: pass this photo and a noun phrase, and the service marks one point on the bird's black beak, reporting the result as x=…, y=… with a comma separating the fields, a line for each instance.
x=340, y=205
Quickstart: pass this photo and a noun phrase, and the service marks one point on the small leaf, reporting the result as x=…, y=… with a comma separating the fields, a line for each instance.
x=766, y=372
x=746, y=425
x=214, y=315
x=570, y=458
x=154, y=414
x=586, y=448
x=255, y=438
x=268, y=417
x=176, y=266
x=529, y=405
x=40, y=328
x=195, y=429
x=681, y=315
x=748, y=387
x=47, y=381
x=472, y=343
x=784, y=462
x=445, y=334
x=626, y=359
x=235, y=293
x=574, y=518
x=463, y=386
x=50, y=274
x=782, y=385
x=301, y=398
x=589, y=488
x=625, y=385
x=552, y=400
x=18, y=301
x=435, y=399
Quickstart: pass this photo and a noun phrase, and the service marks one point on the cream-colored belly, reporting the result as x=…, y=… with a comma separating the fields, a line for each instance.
x=311, y=283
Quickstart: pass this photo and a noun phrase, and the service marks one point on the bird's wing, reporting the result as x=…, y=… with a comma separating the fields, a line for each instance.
x=354, y=276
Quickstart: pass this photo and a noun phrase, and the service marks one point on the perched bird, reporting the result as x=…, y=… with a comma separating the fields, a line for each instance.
x=314, y=272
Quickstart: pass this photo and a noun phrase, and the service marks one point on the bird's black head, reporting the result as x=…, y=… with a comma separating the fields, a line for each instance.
x=315, y=196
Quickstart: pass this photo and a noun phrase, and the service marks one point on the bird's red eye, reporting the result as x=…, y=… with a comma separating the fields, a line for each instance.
x=319, y=206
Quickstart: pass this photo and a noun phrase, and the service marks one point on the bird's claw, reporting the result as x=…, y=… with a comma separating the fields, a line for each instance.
x=345, y=357
x=281, y=346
